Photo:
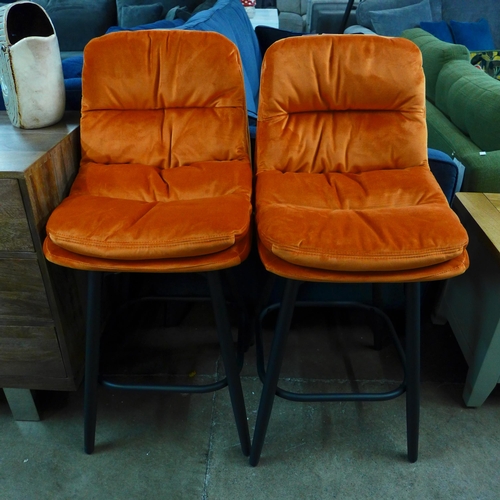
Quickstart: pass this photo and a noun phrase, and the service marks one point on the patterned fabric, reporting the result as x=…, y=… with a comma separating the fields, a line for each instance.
x=488, y=61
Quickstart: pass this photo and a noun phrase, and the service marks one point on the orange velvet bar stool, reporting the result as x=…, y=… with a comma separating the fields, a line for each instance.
x=344, y=193
x=165, y=180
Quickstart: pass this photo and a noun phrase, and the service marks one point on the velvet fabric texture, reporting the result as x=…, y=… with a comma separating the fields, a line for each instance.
x=165, y=177
x=343, y=182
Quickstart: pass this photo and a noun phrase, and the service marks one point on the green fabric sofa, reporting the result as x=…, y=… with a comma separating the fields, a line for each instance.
x=463, y=110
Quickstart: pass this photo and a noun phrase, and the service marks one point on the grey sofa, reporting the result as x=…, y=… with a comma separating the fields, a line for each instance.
x=442, y=10
x=315, y=16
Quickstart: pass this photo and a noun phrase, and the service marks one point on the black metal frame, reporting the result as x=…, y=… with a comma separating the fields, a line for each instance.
x=345, y=18
x=410, y=359
x=92, y=350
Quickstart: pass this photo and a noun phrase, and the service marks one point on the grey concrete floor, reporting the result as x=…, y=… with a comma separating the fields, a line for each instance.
x=171, y=446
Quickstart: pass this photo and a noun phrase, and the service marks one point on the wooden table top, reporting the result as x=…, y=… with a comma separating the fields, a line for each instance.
x=485, y=210
x=20, y=148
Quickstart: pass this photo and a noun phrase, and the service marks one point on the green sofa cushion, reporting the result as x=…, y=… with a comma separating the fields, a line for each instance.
x=471, y=99
x=435, y=54
x=450, y=76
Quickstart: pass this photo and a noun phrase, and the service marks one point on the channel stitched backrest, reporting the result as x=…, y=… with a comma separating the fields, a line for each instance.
x=341, y=103
x=162, y=98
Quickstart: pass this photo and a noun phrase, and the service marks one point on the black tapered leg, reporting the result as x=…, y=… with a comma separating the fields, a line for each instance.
x=378, y=324
x=273, y=368
x=92, y=339
x=229, y=360
x=412, y=292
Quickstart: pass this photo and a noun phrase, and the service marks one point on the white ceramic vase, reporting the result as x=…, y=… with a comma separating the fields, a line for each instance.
x=30, y=66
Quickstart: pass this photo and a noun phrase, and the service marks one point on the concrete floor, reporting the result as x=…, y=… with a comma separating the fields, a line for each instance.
x=170, y=446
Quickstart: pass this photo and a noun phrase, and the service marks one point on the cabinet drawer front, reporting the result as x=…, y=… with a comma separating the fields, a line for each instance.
x=15, y=235
x=30, y=350
x=22, y=292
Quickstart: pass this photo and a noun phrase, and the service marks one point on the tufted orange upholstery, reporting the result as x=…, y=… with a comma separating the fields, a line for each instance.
x=343, y=183
x=165, y=178
x=344, y=193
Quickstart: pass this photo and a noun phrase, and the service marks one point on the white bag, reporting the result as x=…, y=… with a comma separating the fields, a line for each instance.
x=30, y=66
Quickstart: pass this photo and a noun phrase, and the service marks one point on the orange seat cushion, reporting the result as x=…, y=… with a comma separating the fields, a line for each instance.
x=441, y=271
x=210, y=262
x=385, y=220
x=183, y=212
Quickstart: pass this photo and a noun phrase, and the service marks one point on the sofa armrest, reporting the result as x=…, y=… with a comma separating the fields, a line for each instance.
x=482, y=172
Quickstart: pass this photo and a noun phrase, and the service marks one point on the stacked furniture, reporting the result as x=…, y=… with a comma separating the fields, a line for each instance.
x=463, y=105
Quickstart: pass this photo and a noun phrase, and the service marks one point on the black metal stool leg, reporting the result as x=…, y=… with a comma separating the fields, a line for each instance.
x=412, y=292
x=229, y=359
x=378, y=325
x=92, y=340
x=273, y=368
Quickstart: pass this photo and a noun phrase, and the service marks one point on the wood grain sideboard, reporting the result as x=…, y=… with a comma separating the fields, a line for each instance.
x=41, y=319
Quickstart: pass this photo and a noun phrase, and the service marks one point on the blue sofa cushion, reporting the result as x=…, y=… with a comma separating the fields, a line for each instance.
x=366, y=6
x=475, y=36
x=393, y=22
x=134, y=15
x=439, y=29
x=166, y=6
x=229, y=18
x=72, y=67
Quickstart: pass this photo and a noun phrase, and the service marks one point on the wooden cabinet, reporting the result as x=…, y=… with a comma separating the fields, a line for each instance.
x=469, y=302
x=41, y=320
